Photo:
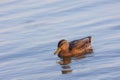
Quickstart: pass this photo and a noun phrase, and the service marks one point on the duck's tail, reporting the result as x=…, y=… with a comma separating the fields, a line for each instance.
x=90, y=39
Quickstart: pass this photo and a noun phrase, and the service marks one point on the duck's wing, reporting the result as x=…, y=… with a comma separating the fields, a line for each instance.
x=81, y=43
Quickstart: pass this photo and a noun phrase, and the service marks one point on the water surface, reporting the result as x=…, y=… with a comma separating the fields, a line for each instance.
x=31, y=29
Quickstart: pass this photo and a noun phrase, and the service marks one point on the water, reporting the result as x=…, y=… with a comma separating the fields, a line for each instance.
x=31, y=29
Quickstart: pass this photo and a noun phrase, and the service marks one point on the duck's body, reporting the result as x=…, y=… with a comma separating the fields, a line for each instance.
x=74, y=48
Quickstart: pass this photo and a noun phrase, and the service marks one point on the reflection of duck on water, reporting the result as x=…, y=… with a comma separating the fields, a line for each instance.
x=66, y=68
x=65, y=65
x=67, y=50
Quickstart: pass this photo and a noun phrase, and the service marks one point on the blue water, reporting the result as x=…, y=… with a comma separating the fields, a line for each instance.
x=31, y=29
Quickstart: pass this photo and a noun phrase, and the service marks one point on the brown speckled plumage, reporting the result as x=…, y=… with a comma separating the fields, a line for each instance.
x=74, y=48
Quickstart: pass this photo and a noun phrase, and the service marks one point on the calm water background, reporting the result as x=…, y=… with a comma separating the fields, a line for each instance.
x=31, y=29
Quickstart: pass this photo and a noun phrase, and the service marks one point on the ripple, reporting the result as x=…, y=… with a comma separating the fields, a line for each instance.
x=30, y=30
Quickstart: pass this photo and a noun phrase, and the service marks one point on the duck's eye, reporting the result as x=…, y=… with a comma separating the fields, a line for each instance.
x=61, y=44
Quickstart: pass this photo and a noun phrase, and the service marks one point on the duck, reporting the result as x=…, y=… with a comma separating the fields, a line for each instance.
x=74, y=48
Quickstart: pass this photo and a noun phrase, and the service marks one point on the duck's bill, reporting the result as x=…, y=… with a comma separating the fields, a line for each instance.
x=57, y=51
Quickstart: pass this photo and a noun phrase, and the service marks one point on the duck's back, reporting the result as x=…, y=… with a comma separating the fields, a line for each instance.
x=78, y=47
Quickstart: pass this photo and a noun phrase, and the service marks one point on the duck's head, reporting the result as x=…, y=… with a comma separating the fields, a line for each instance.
x=63, y=45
